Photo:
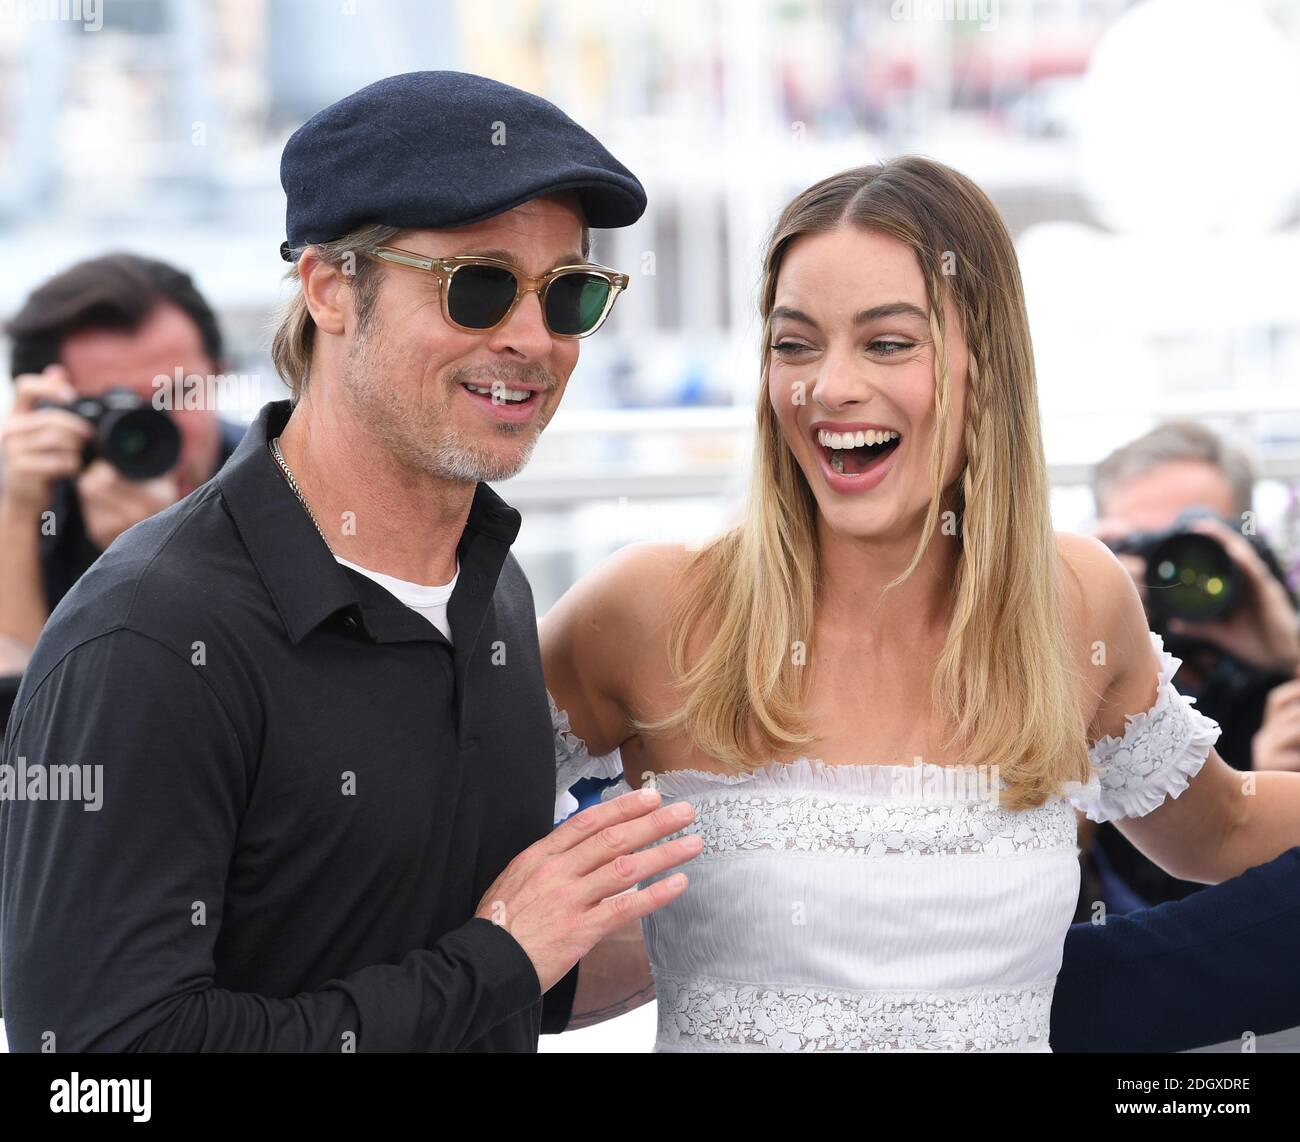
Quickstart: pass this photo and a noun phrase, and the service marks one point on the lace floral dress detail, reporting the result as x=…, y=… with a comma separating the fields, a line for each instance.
x=1159, y=753
x=882, y=907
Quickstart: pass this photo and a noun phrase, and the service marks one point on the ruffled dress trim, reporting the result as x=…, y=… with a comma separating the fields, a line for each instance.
x=1156, y=757
x=573, y=762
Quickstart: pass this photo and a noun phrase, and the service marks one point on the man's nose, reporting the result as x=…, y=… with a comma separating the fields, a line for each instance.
x=524, y=332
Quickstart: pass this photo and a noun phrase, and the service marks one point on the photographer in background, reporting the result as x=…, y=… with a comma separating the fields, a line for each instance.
x=110, y=323
x=1243, y=667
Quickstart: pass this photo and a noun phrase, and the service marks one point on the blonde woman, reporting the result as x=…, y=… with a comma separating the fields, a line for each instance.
x=887, y=690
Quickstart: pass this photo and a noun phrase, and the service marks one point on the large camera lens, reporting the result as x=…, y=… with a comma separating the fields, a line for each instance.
x=1190, y=576
x=141, y=443
x=139, y=440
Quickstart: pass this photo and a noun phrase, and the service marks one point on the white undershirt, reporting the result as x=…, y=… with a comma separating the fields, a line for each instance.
x=429, y=601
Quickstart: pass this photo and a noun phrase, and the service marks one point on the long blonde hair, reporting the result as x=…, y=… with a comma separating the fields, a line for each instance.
x=1004, y=675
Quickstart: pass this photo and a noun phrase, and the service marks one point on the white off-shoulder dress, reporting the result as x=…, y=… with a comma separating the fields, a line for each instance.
x=881, y=907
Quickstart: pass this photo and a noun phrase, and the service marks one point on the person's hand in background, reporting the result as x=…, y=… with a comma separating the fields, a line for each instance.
x=1276, y=744
x=110, y=503
x=14, y=654
x=1263, y=630
x=39, y=446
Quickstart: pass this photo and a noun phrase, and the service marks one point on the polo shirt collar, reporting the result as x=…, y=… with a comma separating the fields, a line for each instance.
x=306, y=583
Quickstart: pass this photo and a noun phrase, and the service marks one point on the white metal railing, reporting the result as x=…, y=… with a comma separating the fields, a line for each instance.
x=555, y=480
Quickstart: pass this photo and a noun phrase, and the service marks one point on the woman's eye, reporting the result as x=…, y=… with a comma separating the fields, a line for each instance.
x=790, y=347
x=890, y=348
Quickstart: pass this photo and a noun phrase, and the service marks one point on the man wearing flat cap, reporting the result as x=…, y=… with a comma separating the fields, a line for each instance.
x=304, y=706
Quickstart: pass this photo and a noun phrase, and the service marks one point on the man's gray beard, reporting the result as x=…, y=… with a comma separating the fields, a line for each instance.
x=419, y=438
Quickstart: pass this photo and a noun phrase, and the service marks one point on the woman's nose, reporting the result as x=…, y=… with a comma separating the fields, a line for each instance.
x=841, y=382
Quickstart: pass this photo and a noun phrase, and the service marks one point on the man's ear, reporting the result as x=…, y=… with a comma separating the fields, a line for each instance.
x=325, y=292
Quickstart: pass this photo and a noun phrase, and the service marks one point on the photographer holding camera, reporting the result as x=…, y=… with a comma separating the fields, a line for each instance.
x=1172, y=504
x=84, y=455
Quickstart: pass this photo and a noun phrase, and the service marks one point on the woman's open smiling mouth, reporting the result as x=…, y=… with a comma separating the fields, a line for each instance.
x=854, y=458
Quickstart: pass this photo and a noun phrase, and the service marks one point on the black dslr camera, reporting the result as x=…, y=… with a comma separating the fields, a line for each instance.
x=1190, y=575
x=139, y=441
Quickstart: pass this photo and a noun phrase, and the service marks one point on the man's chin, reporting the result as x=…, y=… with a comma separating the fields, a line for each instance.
x=494, y=469
x=498, y=475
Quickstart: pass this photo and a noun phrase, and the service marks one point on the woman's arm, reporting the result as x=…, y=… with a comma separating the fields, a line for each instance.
x=592, y=641
x=613, y=978
x=595, y=636
x=1224, y=822
x=604, y=642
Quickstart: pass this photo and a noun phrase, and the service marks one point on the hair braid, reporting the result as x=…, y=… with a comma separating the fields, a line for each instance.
x=975, y=475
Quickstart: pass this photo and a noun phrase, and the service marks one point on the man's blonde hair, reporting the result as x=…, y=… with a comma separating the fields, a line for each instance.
x=291, y=345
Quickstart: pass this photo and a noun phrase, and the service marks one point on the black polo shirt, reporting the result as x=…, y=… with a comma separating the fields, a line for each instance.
x=67, y=552
x=305, y=792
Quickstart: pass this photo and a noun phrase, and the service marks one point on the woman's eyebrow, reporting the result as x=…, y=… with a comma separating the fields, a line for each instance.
x=893, y=309
x=784, y=311
x=875, y=313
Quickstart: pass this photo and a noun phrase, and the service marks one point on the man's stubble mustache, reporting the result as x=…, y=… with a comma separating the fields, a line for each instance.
x=447, y=453
x=456, y=458
x=488, y=376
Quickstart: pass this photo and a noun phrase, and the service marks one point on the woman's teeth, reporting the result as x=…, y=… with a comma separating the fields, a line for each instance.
x=853, y=439
x=851, y=453
x=513, y=395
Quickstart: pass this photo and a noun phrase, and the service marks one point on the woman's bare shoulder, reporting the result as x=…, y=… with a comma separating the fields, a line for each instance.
x=632, y=583
x=606, y=631
x=1084, y=550
x=1107, y=623
x=1095, y=571
x=1094, y=581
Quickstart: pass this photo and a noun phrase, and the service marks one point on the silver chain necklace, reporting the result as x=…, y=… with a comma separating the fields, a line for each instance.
x=288, y=475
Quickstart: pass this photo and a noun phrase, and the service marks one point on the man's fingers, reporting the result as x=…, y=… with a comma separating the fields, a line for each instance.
x=53, y=384
x=99, y=477
x=1212, y=630
x=589, y=821
x=1280, y=696
x=1286, y=729
x=52, y=465
x=628, y=836
x=49, y=428
x=164, y=489
x=618, y=910
x=628, y=869
x=1277, y=745
x=1241, y=552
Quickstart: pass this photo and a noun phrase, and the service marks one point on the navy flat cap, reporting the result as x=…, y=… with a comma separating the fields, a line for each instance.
x=437, y=149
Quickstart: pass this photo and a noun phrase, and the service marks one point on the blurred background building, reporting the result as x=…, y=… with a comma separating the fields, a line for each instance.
x=1142, y=153
x=1158, y=241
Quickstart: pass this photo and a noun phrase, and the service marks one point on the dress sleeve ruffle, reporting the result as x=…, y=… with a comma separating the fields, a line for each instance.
x=1157, y=756
x=573, y=762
